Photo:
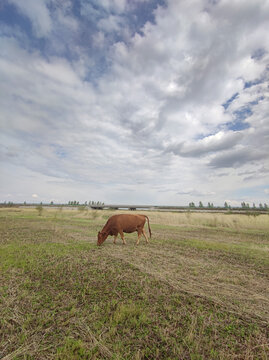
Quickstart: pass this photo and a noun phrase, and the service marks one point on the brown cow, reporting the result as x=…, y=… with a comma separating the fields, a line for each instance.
x=123, y=223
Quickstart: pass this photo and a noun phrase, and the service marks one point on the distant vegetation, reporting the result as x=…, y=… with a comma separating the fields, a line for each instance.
x=262, y=207
x=244, y=206
x=39, y=209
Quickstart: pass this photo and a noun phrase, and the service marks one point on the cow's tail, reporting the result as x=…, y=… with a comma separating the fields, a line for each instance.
x=148, y=226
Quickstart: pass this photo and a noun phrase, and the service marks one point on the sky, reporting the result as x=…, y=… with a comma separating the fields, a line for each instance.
x=156, y=102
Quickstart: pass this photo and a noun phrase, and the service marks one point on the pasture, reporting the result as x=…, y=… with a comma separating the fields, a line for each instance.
x=198, y=290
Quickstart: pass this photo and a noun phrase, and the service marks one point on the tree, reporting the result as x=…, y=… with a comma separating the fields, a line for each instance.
x=39, y=209
x=226, y=205
x=201, y=204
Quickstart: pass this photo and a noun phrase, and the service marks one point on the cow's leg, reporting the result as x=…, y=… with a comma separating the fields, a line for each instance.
x=122, y=237
x=138, y=236
x=145, y=235
x=115, y=238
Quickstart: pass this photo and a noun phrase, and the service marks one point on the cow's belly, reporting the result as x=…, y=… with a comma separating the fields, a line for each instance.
x=130, y=229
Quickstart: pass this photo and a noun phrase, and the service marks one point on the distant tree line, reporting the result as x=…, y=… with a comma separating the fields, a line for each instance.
x=73, y=202
x=261, y=206
x=192, y=205
x=226, y=206
x=96, y=203
x=8, y=204
x=209, y=205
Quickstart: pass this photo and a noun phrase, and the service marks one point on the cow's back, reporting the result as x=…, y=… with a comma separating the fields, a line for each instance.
x=126, y=222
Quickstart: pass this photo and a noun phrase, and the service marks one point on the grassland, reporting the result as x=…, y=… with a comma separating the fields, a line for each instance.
x=199, y=290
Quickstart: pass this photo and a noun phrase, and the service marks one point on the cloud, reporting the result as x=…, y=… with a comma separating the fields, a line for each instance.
x=114, y=6
x=237, y=158
x=38, y=14
x=212, y=143
x=111, y=23
x=106, y=103
x=194, y=192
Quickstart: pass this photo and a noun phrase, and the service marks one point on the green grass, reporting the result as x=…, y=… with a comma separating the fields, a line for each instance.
x=62, y=297
x=246, y=250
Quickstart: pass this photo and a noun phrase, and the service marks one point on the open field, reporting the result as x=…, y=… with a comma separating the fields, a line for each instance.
x=198, y=290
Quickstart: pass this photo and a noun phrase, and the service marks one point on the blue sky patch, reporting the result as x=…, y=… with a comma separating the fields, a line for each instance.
x=248, y=84
x=242, y=114
x=239, y=122
x=237, y=125
x=228, y=102
x=10, y=16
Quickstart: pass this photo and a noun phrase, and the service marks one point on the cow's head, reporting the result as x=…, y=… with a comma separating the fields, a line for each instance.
x=101, y=238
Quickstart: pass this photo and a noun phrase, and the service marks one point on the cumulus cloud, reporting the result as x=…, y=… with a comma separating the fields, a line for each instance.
x=212, y=143
x=176, y=105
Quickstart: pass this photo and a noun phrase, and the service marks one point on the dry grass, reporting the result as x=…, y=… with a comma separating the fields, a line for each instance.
x=259, y=222
x=227, y=220
x=197, y=291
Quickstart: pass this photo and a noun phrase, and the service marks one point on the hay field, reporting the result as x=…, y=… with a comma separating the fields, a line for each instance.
x=199, y=290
